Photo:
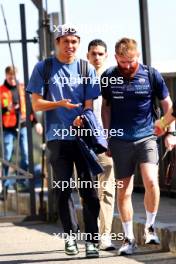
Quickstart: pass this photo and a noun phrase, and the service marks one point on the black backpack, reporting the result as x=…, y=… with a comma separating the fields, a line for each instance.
x=153, y=83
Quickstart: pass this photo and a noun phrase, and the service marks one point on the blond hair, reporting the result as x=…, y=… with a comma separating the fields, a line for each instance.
x=124, y=46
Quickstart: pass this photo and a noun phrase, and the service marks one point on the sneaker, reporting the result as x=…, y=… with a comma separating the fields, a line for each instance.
x=71, y=246
x=128, y=247
x=105, y=243
x=150, y=236
x=91, y=250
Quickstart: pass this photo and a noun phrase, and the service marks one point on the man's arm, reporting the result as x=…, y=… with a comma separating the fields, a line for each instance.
x=105, y=114
x=106, y=117
x=162, y=123
x=170, y=140
x=39, y=104
x=166, y=106
x=78, y=122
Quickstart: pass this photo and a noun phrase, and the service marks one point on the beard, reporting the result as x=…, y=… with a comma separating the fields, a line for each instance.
x=128, y=72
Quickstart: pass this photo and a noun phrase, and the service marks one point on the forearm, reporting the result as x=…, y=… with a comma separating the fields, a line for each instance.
x=39, y=104
x=106, y=115
x=106, y=119
x=168, y=118
x=44, y=105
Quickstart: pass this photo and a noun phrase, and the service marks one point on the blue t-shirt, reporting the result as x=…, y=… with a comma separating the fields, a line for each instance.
x=65, y=83
x=131, y=102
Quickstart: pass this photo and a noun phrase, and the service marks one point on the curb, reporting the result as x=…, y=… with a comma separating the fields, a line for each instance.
x=167, y=234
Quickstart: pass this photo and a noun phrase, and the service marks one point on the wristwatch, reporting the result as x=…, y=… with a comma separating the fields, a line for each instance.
x=173, y=133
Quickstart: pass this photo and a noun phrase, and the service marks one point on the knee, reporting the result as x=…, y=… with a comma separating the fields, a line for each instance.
x=124, y=194
x=152, y=184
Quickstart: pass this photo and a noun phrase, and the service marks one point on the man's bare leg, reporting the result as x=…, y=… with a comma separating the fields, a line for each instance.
x=151, y=199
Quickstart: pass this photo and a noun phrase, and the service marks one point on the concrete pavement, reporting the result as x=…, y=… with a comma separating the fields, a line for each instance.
x=35, y=243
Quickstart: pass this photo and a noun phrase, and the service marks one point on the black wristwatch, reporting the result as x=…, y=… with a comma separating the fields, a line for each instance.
x=173, y=133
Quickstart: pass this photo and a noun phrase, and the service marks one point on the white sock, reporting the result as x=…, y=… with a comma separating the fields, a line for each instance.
x=128, y=229
x=150, y=219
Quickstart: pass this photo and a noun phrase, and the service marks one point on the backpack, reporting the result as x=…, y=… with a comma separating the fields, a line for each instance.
x=47, y=74
x=153, y=83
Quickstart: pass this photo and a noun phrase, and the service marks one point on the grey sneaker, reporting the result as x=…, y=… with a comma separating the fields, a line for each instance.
x=91, y=250
x=128, y=247
x=150, y=236
x=71, y=246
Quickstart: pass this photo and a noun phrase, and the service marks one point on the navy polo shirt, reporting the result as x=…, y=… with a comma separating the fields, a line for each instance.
x=131, y=101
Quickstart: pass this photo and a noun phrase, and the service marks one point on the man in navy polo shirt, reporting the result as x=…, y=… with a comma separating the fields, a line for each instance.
x=128, y=106
x=63, y=105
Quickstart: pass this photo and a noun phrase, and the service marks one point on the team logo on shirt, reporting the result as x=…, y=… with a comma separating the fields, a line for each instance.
x=141, y=80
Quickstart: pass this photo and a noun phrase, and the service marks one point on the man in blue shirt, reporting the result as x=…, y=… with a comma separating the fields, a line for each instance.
x=63, y=105
x=127, y=111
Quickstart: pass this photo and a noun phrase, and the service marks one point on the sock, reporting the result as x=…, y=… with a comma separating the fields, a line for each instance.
x=150, y=218
x=128, y=229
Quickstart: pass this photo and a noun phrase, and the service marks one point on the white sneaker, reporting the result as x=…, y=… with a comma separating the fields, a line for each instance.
x=150, y=236
x=105, y=243
x=128, y=247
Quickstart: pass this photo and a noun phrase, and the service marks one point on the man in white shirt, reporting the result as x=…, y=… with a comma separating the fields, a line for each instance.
x=97, y=54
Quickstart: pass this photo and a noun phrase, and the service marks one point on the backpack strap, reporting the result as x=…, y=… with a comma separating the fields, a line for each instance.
x=46, y=75
x=153, y=83
x=84, y=74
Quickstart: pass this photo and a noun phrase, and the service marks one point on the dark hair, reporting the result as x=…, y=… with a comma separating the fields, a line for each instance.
x=10, y=69
x=97, y=42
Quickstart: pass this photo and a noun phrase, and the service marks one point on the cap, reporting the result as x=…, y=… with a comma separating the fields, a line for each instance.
x=65, y=30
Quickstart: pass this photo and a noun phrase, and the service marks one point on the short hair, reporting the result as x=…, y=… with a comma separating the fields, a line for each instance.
x=97, y=42
x=10, y=69
x=124, y=45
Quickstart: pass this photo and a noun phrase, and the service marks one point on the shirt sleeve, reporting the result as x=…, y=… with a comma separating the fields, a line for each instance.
x=36, y=82
x=92, y=84
x=161, y=90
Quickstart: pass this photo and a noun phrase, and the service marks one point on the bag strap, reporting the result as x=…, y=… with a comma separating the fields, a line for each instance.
x=84, y=74
x=153, y=83
x=46, y=75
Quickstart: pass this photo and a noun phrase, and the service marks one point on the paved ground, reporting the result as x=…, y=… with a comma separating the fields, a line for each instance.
x=35, y=243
